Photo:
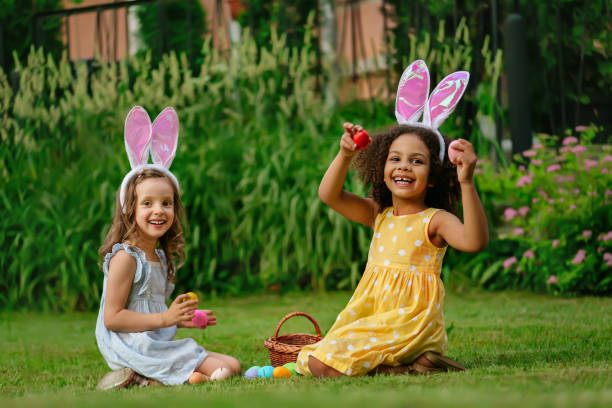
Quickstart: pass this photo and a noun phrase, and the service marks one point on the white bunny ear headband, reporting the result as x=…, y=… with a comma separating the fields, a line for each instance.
x=160, y=138
x=411, y=98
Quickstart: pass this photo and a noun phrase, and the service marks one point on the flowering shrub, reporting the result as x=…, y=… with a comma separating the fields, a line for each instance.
x=554, y=215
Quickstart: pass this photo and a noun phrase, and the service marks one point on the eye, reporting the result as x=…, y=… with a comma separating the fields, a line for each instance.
x=417, y=161
x=394, y=158
x=167, y=203
x=146, y=203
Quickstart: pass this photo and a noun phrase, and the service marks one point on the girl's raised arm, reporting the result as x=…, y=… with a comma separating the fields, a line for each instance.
x=331, y=192
x=121, y=270
x=473, y=234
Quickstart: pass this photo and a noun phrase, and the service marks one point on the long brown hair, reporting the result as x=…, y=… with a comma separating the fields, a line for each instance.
x=370, y=166
x=123, y=228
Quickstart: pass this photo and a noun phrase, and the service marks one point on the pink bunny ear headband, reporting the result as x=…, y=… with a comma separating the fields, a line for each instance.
x=411, y=98
x=140, y=136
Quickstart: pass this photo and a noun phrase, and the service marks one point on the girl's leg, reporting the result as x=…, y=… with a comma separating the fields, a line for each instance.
x=232, y=363
x=215, y=366
x=320, y=370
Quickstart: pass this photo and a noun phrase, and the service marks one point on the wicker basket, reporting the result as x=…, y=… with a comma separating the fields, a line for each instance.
x=284, y=349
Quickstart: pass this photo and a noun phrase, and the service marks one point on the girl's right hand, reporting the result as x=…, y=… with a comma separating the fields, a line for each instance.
x=179, y=311
x=347, y=146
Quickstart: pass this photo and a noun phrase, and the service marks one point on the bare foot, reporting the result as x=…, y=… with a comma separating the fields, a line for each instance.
x=197, y=377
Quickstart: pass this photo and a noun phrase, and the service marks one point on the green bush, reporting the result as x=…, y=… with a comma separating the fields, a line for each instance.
x=554, y=211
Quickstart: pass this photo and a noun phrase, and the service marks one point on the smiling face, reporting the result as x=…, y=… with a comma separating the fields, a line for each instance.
x=154, y=207
x=406, y=171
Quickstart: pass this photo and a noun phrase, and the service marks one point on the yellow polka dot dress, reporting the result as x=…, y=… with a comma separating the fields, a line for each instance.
x=395, y=314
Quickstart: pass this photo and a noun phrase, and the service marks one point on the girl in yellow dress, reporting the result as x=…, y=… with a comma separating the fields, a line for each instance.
x=394, y=321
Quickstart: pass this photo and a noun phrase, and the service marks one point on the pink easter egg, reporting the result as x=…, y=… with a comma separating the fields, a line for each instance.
x=200, y=318
x=453, y=151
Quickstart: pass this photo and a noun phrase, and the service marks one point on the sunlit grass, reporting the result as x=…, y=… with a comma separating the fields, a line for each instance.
x=520, y=349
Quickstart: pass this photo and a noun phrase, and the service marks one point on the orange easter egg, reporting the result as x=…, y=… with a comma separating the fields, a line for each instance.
x=281, y=372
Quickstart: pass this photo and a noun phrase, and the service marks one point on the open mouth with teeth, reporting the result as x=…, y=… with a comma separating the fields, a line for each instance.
x=157, y=222
x=403, y=181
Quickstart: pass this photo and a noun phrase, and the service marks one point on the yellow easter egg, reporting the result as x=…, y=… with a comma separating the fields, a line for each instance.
x=192, y=296
x=281, y=372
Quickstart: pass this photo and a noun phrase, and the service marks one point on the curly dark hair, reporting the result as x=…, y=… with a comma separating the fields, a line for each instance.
x=370, y=166
x=124, y=227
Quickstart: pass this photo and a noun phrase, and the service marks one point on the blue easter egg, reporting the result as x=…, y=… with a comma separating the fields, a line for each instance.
x=265, y=372
x=252, y=372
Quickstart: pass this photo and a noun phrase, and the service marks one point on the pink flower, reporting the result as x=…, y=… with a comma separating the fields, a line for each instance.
x=576, y=191
x=587, y=233
x=588, y=164
x=581, y=128
x=572, y=206
x=555, y=243
x=608, y=258
x=570, y=140
x=552, y=280
x=534, y=200
x=580, y=255
x=518, y=231
x=510, y=213
x=578, y=149
x=521, y=167
x=529, y=254
x=604, y=171
x=553, y=167
x=608, y=236
x=536, y=162
x=565, y=149
x=562, y=200
x=529, y=153
x=509, y=262
x=551, y=201
x=600, y=250
x=607, y=159
x=523, y=210
x=478, y=171
x=524, y=180
x=538, y=146
x=608, y=192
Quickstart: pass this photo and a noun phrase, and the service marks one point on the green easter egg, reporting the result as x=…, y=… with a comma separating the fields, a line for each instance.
x=290, y=367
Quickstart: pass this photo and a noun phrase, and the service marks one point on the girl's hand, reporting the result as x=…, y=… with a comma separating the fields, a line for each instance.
x=212, y=320
x=347, y=146
x=466, y=160
x=181, y=310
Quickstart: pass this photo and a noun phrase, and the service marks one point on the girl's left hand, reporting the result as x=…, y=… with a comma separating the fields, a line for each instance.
x=465, y=160
x=188, y=324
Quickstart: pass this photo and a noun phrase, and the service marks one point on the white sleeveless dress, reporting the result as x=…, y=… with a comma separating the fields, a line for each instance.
x=154, y=353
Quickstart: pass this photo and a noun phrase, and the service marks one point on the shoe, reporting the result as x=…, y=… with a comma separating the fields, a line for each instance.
x=443, y=362
x=142, y=381
x=116, y=379
x=421, y=369
x=389, y=370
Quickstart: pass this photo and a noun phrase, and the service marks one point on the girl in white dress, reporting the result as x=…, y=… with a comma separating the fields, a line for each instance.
x=135, y=329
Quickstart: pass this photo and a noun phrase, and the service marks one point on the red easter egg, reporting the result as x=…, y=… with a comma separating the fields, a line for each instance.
x=361, y=139
x=200, y=318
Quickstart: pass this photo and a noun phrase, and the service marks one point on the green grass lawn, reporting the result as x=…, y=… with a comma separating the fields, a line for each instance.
x=520, y=349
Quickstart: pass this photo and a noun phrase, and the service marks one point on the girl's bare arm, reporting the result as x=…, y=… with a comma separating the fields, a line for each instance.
x=331, y=192
x=121, y=270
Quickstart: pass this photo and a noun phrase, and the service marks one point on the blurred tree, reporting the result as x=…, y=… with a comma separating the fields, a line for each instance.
x=177, y=25
x=17, y=25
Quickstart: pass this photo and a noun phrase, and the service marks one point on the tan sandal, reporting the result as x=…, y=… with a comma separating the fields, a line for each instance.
x=422, y=369
x=117, y=379
x=443, y=362
x=390, y=370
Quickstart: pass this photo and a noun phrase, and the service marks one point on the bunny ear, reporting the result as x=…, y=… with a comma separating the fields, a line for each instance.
x=412, y=92
x=137, y=134
x=165, y=137
x=444, y=98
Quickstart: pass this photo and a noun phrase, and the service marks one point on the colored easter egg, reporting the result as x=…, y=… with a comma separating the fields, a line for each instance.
x=281, y=372
x=291, y=368
x=192, y=296
x=361, y=139
x=200, y=318
x=453, y=151
x=265, y=372
x=252, y=372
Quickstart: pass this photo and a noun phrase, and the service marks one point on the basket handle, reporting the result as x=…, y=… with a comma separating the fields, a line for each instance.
x=292, y=314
